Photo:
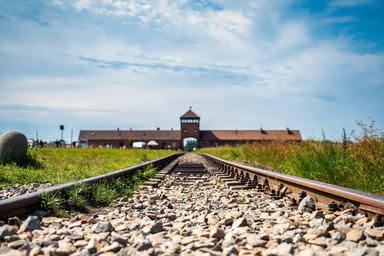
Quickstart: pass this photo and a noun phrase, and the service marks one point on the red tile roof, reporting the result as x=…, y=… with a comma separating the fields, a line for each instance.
x=190, y=114
x=278, y=135
x=135, y=135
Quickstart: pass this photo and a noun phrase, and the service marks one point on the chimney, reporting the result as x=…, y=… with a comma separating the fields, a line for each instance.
x=130, y=129
x=158, y=128
x=172, y=129
x=118, y=130
x=262, y=131
x=289, y=131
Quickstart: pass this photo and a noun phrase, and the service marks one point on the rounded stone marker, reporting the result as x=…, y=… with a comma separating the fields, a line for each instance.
x=13, y=147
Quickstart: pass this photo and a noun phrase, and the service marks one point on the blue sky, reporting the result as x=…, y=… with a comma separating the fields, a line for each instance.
x=103, y=64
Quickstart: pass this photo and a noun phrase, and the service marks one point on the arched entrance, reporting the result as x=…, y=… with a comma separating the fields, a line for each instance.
x=189, y=143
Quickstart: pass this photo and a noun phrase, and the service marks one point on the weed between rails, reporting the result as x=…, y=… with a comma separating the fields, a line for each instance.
x=98, y=194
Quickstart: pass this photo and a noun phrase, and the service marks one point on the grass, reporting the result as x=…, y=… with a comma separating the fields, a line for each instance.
x=53, y=202
x=98, y=194
x=58, y=166
x=240, y=200
x=77, y=195
x=358, y=164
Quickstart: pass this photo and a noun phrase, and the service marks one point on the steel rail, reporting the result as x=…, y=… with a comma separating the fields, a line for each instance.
x=323, y=193
x=25, y=203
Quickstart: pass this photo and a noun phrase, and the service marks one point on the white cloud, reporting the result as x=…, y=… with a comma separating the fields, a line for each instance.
x=83, y=4
x=228, y=25
x=292, y=35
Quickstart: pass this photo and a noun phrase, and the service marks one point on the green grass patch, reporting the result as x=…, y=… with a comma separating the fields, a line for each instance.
x=98, y=194
x=53, y=202
x=77, y=195
x=240, y=200
x=358, y=164
x=103, y=193
x=56, y=166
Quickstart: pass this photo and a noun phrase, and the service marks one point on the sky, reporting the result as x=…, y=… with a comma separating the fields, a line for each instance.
x=108, y=64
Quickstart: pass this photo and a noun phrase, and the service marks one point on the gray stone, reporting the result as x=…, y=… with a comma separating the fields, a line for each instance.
x=65, y=248
x=12, y=238
x=7, y=230
x=30, y=224
x=316, y=222
x=75, y=224
x=318, y=215
x=281, y=249
x=371, y=252
x=230, y=251
x=213, y=220
x=172, y=248
x=217, y=233
x=14, y=221
x=142, y=243
x=119, y=239
x=228, y=221
x=128, y=252
x=376, y=233
x=13, y=147
x=338, y=236
x=371, y=242
x=10, y=252
x=16, y=244
x=241, y=222
x=256, y=241
x=307, y=205
x=114, y=247
x=102, y=226
x=154, y=228
x=82, y=253
x=355, y=235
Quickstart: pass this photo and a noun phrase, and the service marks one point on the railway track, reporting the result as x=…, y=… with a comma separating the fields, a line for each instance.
x=203, y=205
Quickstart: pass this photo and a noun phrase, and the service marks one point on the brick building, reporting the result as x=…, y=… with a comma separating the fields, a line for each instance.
x=189, y=136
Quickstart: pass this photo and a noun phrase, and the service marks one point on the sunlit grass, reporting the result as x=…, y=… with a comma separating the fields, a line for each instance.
x=64, y=165
x=358, y=164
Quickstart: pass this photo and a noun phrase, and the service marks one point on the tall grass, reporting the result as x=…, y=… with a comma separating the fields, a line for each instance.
x=64, y=165
x=357, y=164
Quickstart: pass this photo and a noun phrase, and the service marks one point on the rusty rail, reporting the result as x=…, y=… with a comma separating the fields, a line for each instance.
x=326, y=195
x=23, y=204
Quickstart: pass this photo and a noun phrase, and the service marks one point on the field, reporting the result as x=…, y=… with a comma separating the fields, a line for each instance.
x=64, y=165
x=358, y=164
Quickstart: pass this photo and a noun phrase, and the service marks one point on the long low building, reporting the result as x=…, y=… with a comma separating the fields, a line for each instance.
x=188, y=137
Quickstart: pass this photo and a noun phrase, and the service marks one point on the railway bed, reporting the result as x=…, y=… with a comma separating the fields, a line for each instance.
x=196, y=205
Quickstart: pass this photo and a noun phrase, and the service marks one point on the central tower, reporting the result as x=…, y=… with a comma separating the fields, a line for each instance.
x=190, y=130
